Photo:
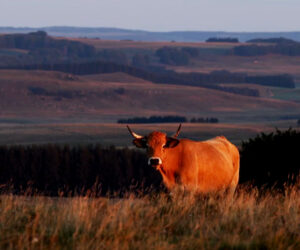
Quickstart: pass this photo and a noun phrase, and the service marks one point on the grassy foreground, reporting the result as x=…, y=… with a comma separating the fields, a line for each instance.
x=248, y=221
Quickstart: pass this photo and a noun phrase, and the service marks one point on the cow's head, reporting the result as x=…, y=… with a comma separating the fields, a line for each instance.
x=157, y=145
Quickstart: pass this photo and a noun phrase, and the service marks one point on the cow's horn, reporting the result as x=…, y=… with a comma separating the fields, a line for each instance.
x=177, y=132
x=136, y=136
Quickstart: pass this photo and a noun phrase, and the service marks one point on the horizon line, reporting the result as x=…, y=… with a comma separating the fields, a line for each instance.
x=141, y=30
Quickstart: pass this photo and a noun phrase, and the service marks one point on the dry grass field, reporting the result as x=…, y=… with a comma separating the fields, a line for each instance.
x=125, y=44
x=253, y=65
x=251, y=220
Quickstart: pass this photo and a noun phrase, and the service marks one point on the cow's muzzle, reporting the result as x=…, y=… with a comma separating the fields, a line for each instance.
x=154, y=161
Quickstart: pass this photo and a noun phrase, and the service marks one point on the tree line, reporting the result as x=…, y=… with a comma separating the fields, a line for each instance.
x=167, y=119
x=42, y=48
x=276, y=40
x=222, y=40
x=154, y=119
x=39, y=43
x=280, y=46
x=266, y=160
x=205, y=80
x=204, y=120
x=283, y=81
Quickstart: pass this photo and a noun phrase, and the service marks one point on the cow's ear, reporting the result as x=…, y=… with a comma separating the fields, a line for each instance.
x=140, y=143
x=171, y=142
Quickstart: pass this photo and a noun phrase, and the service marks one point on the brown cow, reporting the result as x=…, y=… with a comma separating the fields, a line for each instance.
x=200, y=166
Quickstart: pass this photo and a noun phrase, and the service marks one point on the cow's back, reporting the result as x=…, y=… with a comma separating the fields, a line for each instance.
x=210, y=165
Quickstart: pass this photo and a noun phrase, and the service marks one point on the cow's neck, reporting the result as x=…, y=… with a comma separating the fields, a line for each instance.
x=170, y=168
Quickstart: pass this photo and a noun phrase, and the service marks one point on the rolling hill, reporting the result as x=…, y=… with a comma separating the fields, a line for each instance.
x=50, y=106
x=59, y=96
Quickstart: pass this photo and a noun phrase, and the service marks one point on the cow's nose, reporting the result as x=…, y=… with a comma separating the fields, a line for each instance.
x=154, y=161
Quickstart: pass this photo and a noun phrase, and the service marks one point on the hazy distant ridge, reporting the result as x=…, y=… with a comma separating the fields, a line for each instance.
x=141, y=35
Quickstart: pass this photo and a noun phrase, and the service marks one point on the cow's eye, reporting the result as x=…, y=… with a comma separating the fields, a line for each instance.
x=165, y=146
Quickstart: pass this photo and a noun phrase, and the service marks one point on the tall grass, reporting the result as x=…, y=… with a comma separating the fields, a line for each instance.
x=248, y=221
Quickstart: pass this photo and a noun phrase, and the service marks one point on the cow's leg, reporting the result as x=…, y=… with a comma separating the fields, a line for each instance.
x=233, y=184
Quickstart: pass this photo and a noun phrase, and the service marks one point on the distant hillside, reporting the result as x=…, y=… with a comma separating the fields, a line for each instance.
x=141, y=35
x=169, y=77
x=40, y=51
x=55, y=95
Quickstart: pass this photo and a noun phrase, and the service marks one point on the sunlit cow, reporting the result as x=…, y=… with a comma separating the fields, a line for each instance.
x=200, y=166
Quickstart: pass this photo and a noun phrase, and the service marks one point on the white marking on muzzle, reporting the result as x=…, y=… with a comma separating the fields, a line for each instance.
x=154, y=158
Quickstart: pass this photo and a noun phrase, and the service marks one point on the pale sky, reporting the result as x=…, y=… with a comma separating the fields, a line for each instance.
x=155, y=15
